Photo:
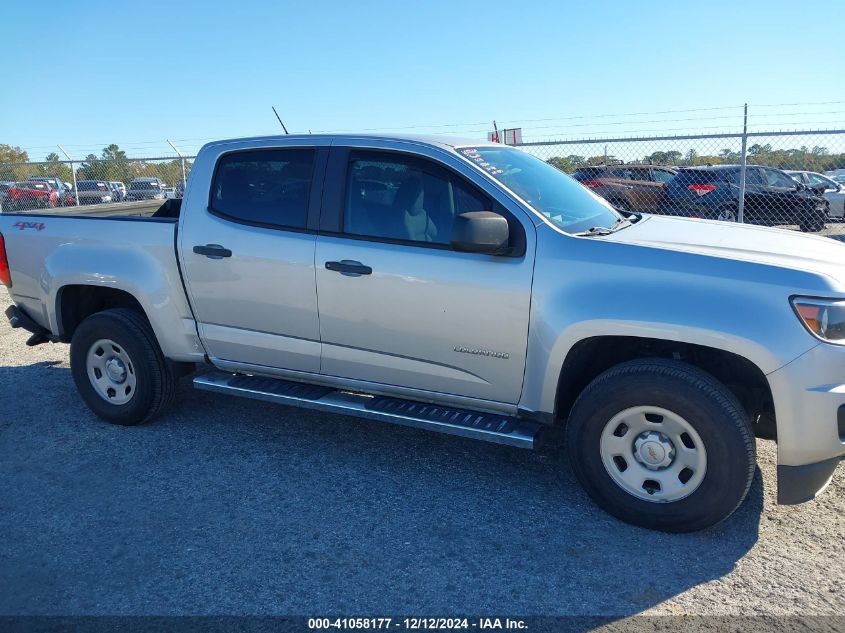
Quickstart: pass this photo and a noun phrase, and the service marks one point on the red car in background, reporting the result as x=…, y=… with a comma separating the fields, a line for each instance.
x=24, y=196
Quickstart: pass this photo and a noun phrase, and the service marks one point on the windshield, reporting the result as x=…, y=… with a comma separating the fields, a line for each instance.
x=562, y=200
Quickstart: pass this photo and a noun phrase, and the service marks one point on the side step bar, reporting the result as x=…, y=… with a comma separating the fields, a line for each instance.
x=500, y=429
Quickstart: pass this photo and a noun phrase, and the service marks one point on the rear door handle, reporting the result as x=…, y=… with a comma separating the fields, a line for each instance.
x=349, y=267
x=213, y=251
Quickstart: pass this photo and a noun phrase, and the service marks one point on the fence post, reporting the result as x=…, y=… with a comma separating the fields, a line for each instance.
x=73, y=172
x=182, y=159
x=743, y=161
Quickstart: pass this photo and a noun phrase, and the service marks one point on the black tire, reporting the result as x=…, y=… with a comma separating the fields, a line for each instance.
x=705, y=403
x=814, y=222
x=154, y=374
x=727, y=213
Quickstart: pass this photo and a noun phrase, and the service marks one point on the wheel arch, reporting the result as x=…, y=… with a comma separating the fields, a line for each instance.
x=590, y=357
x=76, y=302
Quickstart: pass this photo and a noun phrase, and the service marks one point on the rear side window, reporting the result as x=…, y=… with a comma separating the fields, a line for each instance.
x=587, y=174
x=640, y=174
x=623, y=173
x=264, y=187
x=661, y=175
x=702, y=176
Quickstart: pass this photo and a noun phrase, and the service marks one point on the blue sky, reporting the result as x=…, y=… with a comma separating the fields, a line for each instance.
x=90, y=73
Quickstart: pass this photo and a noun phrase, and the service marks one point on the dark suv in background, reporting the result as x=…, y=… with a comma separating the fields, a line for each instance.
x=772, y=197
x=628, y=187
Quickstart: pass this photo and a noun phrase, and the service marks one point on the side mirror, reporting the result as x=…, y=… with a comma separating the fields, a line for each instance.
x=480, y=232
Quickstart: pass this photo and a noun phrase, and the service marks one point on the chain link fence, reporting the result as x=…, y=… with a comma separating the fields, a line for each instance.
x=786, y=179
x=110, y=184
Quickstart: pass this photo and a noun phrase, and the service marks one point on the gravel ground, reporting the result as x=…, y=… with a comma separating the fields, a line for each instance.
x=227, y=506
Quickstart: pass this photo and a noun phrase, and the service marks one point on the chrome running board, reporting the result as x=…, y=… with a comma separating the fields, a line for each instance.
x=500, y=429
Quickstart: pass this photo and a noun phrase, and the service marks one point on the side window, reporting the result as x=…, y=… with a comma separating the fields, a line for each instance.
x=815, y=179
x=622, y=173
x=662, y=176
x=775, y=178
x=264, y=187
x=752, y=176
x=391, y=196
x=640, y=174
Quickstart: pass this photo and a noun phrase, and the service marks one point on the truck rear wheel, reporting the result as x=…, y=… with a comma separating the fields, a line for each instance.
x=662, y=444
x=119, y=368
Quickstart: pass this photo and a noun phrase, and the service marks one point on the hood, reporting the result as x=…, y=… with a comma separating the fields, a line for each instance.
x=744, y=242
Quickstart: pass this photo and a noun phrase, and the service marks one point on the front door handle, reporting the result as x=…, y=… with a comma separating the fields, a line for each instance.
x=349, y=267
x=213, y=251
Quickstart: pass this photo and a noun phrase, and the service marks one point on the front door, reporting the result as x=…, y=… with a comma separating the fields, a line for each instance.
x=398, y=306
x=248, y=258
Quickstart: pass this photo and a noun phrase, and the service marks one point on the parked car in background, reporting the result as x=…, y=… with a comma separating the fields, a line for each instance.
x=145, y=189
x=834, y=192
x=180, y=189
x=93, y=191
x=28, y=195
x=169, y=192
x=5, y=185
x=628, y=187
x=64, y=193
x=840, y=178
x=118, y=191
x=772, y=197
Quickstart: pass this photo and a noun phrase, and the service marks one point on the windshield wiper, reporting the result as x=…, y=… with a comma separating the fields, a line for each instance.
x=595, y=230
x=603, y=230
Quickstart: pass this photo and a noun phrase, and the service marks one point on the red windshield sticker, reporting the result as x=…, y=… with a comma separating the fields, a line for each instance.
x=475, y=157
x=22, y=226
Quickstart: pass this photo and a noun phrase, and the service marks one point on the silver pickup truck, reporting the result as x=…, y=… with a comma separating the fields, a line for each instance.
x=462, y=287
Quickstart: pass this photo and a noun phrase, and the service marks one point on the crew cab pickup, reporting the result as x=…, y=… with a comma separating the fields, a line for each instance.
x=462, y=287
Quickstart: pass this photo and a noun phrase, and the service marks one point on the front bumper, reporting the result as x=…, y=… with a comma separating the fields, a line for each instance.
x=809, y=398
x=797, y=484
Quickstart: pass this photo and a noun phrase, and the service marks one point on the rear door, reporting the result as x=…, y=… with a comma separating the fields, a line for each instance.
x=648, y=192
x=398, y=306
x=247, y=254
x=662, y=177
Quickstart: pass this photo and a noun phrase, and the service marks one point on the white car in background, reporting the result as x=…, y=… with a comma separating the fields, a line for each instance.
x=834, y=192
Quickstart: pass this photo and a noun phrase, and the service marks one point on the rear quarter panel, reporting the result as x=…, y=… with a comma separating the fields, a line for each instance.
x=47, y=253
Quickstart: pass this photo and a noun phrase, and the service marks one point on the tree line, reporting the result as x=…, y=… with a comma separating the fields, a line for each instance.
x=818, y=159
x=111, y=165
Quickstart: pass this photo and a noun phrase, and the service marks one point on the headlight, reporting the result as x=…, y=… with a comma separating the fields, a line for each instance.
x=825, y=318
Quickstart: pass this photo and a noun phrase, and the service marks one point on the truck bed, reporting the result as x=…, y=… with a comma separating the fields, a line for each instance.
x=50, y=252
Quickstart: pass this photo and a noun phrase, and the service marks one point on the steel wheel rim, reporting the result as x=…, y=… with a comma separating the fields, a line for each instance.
x=111, y=372
x=727, y=215
x=653, y=454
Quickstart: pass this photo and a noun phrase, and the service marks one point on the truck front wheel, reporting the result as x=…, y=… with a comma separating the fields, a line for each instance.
x=662, y=444
x=119, y=369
